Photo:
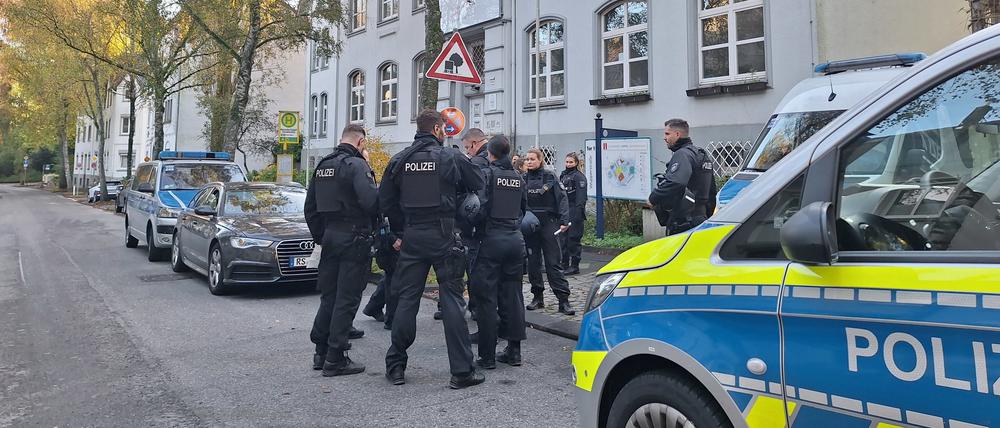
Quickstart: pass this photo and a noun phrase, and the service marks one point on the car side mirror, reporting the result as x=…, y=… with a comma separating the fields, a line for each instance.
x=145, y=188
x=205, y=211
x=810, y=235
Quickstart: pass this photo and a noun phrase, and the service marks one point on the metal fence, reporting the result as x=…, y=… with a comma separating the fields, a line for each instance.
x=729, y=155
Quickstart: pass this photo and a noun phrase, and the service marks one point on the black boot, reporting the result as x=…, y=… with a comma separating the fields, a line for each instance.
x=318, y=361
x=536, y=302
x=573, y=269
x=375, y=313
x=486, y=363
x=565, y=308
x=396, y=376
x=340, y=365
x=471, y=379
x=512, y=354
x=354, y=333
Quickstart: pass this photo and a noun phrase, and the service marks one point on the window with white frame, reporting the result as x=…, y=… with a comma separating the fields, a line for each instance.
x=731, y=40
x=420, y=67
x=168, y=110
x=323, y=111
x=316, y=60
x=356, y=112
x=313, y=116
x=388, y=9
x=124, y=160
x=625, y=48
x=548, y=52
x=359, y=14
x=419, y=4
x=107, y=131
x=125, y=125
x=389, y=85
x=324, y=61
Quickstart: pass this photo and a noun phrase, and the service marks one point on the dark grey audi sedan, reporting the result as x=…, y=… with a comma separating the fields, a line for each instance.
x=244, y=234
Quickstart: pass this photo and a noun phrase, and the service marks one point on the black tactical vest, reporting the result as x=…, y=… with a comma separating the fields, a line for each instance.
x=541, y=195
x=506, y=202
x=420, y=180
x=331, y=193
x=700, y=183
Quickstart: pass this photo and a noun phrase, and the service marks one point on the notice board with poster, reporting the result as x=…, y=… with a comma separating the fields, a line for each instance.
x=625, y=170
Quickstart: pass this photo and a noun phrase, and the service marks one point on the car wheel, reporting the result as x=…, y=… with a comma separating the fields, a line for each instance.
x=215, y=275
x=176, y=260
x=661, y=400
x=153, y=254
x=130, y=241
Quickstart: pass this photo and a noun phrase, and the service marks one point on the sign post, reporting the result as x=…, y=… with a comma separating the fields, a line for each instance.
x=288, y=133
x=25, y=179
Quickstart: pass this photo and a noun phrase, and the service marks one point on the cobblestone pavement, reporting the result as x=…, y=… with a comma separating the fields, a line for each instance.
x=579, y=288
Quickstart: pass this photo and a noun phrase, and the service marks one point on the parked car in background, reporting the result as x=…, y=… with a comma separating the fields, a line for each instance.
x=122, y=195
x=811, y=105
x=244, y=234
x=94, y=193
x=164, y=187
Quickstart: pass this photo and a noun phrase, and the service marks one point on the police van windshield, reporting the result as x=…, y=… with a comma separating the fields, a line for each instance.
x=264, y=201
x=783, y=133
x=192, y=176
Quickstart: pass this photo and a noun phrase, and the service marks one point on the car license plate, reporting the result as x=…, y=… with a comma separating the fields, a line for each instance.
x=297, y=262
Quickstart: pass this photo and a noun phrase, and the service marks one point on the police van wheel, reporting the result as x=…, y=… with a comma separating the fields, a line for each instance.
x=130, y=241
x=216, y=283
x=661, y=400
x=176, y=262
x=153, y=254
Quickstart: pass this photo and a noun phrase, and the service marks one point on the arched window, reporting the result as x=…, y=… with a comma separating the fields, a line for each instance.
x=323, y=114
x=420, y=66
x=357, y=97
x=625, y=47
x=389, y=92
x=548, y=63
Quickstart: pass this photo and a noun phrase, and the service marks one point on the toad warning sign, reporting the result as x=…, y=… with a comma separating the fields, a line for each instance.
x=455, y=64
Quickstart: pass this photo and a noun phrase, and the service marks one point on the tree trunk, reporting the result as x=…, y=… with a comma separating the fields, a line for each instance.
x=159, y=97
x=433, y=41
x=131, y=126
x=244, y=78
x=100, y=96
x=67, y=171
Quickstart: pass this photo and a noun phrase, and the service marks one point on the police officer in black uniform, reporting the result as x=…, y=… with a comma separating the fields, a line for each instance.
x=547, y=200
x=386, y=256
x=575, y=184
x=685, y=194
x=498, y=271
x=419, y=194
x=340, y=209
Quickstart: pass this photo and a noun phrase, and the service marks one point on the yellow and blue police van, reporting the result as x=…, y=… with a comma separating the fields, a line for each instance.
x=854, y=284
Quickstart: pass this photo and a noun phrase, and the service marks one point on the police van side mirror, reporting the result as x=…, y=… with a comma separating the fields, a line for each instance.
x=810, y=235
x=145, y=188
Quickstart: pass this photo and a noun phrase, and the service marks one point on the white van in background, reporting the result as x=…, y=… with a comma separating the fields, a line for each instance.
x=809, y=106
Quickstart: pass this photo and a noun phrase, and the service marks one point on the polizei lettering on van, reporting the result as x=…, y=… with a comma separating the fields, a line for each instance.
x=862, y=343
x=420, y=166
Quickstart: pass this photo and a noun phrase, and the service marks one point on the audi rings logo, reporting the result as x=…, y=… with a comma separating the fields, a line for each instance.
x=307, y=245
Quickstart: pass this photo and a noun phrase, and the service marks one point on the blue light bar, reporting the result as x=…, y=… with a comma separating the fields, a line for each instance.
x=904, y=59
x=171, y=155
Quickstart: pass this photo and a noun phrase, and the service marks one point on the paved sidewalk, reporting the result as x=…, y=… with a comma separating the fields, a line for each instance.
x=548, y=319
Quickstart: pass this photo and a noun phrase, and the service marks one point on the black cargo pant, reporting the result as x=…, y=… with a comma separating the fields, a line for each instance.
x=496, y=283
x=429, y=245
x=384, y=295
x=545, y=246
x=571, y=239
x=343, y=274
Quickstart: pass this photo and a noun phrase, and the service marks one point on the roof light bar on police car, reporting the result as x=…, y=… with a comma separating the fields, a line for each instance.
x=904, y=59
x=172, y=155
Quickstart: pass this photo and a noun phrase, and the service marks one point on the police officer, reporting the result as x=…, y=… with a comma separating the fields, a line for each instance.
x=340, y=209
x=685, y=194
x=547, y=200
x=419, y=194
x=498, y=271
x=386, y=256
x=575, y=184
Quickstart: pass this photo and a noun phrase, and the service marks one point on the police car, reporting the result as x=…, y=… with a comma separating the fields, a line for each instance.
x=164, y=187
x=855, y=284
x=809, y=106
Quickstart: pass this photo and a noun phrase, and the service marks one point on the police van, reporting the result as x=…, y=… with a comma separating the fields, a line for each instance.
x=164, y=187
x=854, y=284
x=809, y=106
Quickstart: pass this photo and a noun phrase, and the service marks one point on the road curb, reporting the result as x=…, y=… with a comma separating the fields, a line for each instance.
x=552, y=325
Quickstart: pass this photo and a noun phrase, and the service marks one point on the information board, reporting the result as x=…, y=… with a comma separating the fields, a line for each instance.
x=625, y=168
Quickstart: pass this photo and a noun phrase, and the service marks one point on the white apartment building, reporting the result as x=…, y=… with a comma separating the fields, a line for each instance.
x=721, y=64
x=87, y=148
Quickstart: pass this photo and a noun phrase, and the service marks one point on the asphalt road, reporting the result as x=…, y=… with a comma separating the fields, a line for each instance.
x=94, y=335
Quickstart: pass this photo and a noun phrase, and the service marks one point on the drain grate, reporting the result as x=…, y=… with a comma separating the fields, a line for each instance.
x=165, y=277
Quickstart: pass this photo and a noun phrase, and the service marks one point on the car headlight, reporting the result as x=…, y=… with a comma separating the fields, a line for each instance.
x=240, y=242
x=603, y=287
x=165, y=212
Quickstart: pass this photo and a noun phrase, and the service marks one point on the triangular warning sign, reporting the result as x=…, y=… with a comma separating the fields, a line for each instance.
x=455, y=64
